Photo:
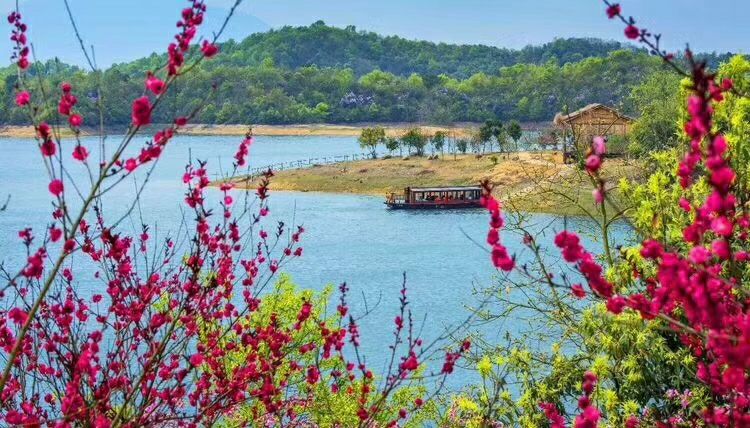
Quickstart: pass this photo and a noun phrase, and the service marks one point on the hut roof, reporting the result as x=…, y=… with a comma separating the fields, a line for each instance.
x=561, y=119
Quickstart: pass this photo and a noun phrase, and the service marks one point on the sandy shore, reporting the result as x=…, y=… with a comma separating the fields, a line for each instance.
x=393, y=129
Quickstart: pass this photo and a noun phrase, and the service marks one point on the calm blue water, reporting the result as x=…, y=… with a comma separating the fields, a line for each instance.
x=349, y=238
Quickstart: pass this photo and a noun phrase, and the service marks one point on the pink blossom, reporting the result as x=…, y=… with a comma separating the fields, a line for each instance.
x=56, y=187
x=196, y=359
x=599, y=146
x=632, y=32
x=578, y=291
x=154, y=84
x=209, y=49
x=613, y=10
x=55, y=233
x=593, y=163
x=23, y=98
x=48, y=148
x=598, y=195
x=75, y=120
x=80, y=153
x=18, y=316
x=131, y=164
x=141, y=111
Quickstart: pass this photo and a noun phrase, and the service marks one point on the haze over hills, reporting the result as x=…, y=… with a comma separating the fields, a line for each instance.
x=320, y=73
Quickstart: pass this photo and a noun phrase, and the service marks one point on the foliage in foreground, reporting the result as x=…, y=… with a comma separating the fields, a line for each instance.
x=651, y=333
x=185, y=330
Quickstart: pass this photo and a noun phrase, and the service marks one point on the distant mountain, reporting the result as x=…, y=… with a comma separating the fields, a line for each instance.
x=362, y=51
x=325, y=46
x=320, y=73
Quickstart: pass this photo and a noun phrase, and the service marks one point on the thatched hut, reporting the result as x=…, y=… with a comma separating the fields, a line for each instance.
x=594, y=119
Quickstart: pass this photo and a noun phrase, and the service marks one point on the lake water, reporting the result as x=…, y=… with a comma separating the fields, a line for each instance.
x=349, y=238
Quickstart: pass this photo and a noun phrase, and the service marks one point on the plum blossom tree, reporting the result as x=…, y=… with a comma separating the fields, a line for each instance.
x=696, y=285
x=180, y=334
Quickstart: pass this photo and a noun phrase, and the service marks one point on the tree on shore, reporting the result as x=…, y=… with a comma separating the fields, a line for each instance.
x=438, y=142
x=370, y=138
x=657, y=103
x=462, y=145
x=416, y=139
x=515, y=132
x=492, y=129
x=391, y=144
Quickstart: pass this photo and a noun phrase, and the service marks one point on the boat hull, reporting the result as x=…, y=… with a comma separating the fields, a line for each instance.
x=432, y=206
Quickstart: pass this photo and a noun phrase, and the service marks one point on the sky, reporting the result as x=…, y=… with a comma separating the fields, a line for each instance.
x=122, y=30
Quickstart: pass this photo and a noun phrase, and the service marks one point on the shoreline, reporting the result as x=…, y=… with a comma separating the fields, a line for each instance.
x=526, y=182
x=393, y=173
x=459, y=130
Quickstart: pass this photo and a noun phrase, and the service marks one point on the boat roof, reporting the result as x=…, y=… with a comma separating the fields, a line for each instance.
x=444, y=189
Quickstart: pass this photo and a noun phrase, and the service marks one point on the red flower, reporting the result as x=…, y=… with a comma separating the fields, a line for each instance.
x=616, y=304
x=75, y=120
x=48, y=148
x=154, y=84
x=598, y=195
x=362, y=414
x=632, y=32
x=209, y=49
x=589, y=418
x=553, y=416
x=65, y=87
x=578, y=291
x=131, y=164
x=56, y=187
x=44, y=130
x=410, y=364
x=55, y=234
x=80, y=153
x=613, y=10
x=23, y=98
x=196, y=359
x=67, y=102
x=17, y=315
x=593, y=163
x=313, y=375
x=141, y=111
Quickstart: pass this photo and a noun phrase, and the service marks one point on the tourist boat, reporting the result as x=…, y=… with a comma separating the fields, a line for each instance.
x=436, y=197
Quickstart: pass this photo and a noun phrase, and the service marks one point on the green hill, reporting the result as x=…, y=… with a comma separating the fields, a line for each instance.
x=320, y=73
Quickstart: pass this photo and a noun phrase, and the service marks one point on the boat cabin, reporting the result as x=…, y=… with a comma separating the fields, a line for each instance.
x=436, y=197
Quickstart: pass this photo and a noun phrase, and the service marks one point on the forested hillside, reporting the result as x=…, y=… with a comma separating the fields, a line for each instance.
x=326, y=74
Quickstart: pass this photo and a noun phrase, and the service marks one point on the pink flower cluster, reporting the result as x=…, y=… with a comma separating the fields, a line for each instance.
x=21, y=48
x=151, y=349
x=696, y=287
x=192, y=18
x=243, y=150
x=590, y=415
x=573, y=252
x=594, y=162
x=66, y=104
x=501, y=259
x=151, y=150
